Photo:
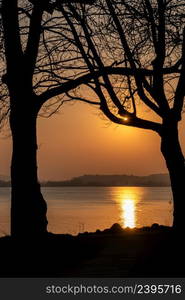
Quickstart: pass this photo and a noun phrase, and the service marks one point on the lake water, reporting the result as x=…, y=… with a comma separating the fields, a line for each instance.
x=78, y=209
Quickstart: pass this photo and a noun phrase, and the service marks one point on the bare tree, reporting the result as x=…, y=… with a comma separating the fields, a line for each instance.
x=142, y=44
x=126, y=52
x=38, y=62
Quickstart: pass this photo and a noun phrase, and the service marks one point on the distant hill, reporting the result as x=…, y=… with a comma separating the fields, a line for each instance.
x=105, y=180
x=113, y=180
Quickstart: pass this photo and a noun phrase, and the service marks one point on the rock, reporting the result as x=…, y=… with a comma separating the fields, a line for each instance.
x=155, y=226
x=116, y=228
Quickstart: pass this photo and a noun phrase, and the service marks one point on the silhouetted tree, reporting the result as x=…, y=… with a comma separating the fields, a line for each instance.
x=38, y=62
x=52, y=47
x=143, y=44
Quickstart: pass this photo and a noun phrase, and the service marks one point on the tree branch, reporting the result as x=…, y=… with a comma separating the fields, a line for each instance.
x=9, y=11
x=32, y=47
x=180, y=90
x=132, y=121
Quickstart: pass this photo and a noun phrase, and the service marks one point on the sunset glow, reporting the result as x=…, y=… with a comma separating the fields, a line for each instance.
x=64, y=154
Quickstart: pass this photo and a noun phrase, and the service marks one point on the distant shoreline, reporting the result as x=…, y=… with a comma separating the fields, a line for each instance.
x=8, y=185
x=93, y=185
x=153, y=180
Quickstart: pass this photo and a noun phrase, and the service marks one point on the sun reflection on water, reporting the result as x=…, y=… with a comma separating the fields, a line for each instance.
x=128, y=198
x=139, y=206
x=128, y=213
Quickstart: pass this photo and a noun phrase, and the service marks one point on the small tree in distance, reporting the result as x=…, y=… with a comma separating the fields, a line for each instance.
x=143, y=44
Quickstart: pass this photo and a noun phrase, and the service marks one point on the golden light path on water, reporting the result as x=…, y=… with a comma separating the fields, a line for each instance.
x=128, y=201
x=128, y=206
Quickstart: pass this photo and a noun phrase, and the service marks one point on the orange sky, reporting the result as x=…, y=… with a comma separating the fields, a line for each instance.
x=77, y=141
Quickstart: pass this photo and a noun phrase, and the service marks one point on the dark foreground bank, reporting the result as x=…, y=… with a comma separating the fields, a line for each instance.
x=155, y=251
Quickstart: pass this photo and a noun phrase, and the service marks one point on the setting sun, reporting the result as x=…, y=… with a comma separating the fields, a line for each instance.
x=125, y=119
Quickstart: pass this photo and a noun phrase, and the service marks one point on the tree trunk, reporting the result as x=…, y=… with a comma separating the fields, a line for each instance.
x=171, y=150
x=28, y=208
